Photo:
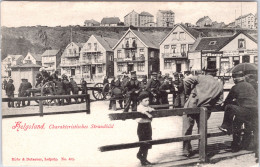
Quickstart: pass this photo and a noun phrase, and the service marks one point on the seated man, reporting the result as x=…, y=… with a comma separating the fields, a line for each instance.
x=240, y=107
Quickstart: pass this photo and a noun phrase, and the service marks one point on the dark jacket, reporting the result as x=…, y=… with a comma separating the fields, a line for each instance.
x=67, y=86
x=132, y=86
x=74, y=86
x=244, y=95
x=9, y=89
x=179, y=85
x=23, y=87
x=153, y=86
x=60, y=87
x=167, y=86
x=84, y=85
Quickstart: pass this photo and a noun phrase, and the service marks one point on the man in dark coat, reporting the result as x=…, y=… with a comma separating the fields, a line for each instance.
x=24, y=86
x=83, y=88
x=159, y=77
x=152, y=87
x=179, y=99
x=241, y=103
x=166, y=88
x=67, y=87
x=132, y=89
x=60, y=90
x=74, y=88
x=116, y=92
x=10, y=91
x=143, y=85
x=54, y=76
x=203, y=91
x=4, y=84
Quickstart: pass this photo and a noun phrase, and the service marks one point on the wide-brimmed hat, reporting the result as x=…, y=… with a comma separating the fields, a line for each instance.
x=238, y=74
x=154, y=73
x=209, y=69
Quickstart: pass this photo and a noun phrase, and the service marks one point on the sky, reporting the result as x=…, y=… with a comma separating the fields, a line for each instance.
x=16, y=13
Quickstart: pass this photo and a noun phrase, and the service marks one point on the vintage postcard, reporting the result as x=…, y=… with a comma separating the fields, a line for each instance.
x=129, y=83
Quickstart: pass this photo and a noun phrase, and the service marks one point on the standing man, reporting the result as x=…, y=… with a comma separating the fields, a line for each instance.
x=143, y=85
x=67, y=87
x=203, y=91
x=54, y=76
x=179, y=99
x=4, y=84
x=22, y=90
x=60, y=90
x=9, y=90
x=152, y=87
x=241, y=103
x=28, y=85
x=165, y=89
x=132, y=89
x=74, y=88
x=83, y=88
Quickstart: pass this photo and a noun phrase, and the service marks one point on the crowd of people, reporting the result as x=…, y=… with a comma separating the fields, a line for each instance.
x=204, y=90
x=241, y=112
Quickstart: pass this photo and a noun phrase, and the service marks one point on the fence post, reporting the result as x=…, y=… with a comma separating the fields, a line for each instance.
x=203, y=134
x=87, y=103
x=41, y=108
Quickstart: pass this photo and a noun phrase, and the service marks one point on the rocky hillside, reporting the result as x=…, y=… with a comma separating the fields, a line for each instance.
x=22, y=40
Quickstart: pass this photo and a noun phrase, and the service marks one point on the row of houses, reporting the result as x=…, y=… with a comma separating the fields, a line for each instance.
x=182, y=49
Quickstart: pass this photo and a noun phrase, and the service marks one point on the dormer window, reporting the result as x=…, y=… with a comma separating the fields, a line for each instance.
x=212, y=42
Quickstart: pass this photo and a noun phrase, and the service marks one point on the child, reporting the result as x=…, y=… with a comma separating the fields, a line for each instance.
x=144, y=129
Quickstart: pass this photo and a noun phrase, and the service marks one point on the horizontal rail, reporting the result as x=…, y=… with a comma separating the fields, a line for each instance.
x=151, y=142
x=39, y=114
x=42, y=97
x=155, y=114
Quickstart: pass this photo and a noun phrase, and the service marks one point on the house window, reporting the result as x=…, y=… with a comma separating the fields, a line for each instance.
x=141, y=50
x=95, y=46
x=241, y=44
x=99, y=68
x=189, y=47
x=256, y=60
x=140, y=66
x=167, y=64
x=182, y=35
x=183, y=50
x=152, y=54
x=120, y=67
x=174, y=35
x=212, y=42
x=166, y=46
x=119, y=54
x=174, y=49
x=89, y=46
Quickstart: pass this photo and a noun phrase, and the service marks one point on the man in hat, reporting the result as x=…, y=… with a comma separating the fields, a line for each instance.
x=83, y=88
x=9, y=90
x=143, y=85
x=203, y=91
x=152, y=87
x=116, y=92
x=132, y=89
x=241, y=103
x=67, y=87
x=165, y=89
x=159, y=77
x=24, y=86
x=179, y=98
x=74, y=88
x=54, y=76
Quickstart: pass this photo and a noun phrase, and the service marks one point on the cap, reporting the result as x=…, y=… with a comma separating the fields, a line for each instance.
x=237, y=74
x=154, y=73
x=210, y=69
x=133, y=74
x=144, y=77
x=143, y=96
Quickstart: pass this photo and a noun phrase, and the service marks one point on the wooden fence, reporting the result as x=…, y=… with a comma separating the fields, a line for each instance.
x=42, y=98
x=202, y=136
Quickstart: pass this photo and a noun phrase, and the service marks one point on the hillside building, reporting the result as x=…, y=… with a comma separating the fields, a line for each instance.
x=10, y=60
x=246, y=21
x=165, y=18
x=32, y=58
x=204, y=22
x=90, y=23
x=110, y=21
x=51, y=59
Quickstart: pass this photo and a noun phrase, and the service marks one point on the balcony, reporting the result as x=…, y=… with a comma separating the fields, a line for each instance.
x=129, y=45
x=174, y=55
x=132, y=59
x=70, y=63
x=72, y=55
x=92, y=61
x=48, y=62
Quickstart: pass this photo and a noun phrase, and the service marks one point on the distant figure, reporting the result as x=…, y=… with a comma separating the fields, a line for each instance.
x=91, y=77
x=10, y=92
x=83, y=88
x=4, y=84
x=105, y=81
x=24, y=86
x=67, y=87
x=74, y=88
x=54, y=76
x=60, y=90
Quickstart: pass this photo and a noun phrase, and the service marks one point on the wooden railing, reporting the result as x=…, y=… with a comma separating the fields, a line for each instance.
x=42, y=98
x=202, y=136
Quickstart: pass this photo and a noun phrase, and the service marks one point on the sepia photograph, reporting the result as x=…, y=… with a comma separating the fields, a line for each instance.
x=113, y=84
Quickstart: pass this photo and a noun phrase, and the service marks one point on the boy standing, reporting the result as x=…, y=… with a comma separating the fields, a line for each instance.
x=144, y=129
